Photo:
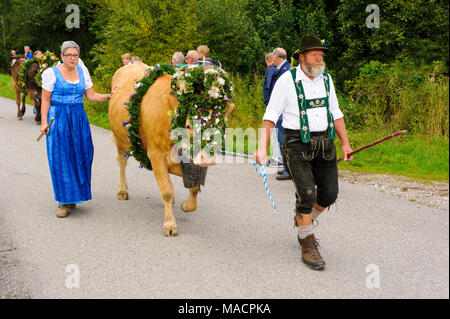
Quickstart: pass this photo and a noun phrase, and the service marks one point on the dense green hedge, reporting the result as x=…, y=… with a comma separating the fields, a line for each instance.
x=400, y=95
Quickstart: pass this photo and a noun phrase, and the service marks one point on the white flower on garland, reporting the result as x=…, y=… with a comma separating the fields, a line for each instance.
x=182, y=86
x=138, y=85
x=214, y=92
x=221, y=81
x=211, y=71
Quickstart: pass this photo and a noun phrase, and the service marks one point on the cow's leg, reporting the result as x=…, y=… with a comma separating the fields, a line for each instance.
x=122, y=193
x=22, y=110
x=190, y=204
x=37, y=106
x=37, y=118
x=19, y=114
x=161, y=170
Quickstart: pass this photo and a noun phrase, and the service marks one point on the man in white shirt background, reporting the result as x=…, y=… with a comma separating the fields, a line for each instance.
x=306, y=98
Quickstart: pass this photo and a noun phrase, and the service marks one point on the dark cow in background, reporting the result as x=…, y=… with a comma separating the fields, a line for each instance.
x=34, y=91
x=16, y=63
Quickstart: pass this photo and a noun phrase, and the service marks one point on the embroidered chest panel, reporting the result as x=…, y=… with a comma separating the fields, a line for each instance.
x=305, y=104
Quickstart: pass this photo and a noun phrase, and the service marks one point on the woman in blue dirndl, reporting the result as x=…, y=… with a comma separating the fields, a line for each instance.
x=69, y=143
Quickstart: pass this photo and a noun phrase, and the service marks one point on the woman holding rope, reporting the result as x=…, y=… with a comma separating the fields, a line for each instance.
x=69, y=143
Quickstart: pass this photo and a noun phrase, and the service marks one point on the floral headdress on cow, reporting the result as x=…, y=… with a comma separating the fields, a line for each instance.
x=202, y=92
x=47, y=60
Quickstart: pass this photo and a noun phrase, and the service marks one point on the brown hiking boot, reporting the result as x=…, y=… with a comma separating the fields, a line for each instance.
x=310, y=254
x=62, y=211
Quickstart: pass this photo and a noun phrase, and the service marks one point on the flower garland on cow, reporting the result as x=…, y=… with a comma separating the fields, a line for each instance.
x=46, y=61
x=202, y=92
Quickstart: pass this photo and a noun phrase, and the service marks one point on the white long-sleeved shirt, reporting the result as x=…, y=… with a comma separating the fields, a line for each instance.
x=284, y=101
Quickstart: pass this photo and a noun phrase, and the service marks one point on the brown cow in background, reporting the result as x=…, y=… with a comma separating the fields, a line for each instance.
x=34, y=91
x=16, y=64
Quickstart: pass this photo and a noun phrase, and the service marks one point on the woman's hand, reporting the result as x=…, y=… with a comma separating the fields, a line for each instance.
x=44, y=128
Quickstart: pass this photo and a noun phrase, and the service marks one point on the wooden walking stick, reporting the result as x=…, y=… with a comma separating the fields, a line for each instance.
x=42, y=134
x=375, y=143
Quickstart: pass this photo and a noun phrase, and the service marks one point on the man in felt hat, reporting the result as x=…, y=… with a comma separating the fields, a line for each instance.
x=306, y=98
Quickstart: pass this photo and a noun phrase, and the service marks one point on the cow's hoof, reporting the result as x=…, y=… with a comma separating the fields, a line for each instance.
x=122, y=195
x=20, y=118
x=170, y=230
x=37, y=122
x=186, y=207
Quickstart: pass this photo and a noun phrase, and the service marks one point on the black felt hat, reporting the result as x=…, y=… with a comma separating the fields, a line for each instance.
x=309, y=42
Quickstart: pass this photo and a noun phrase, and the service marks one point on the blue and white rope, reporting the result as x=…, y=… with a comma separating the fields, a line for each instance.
x=262, y=172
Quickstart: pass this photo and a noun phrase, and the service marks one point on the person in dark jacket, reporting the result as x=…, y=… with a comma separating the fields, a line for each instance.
x=276, y=159
x=282, y=65
x=271, y=70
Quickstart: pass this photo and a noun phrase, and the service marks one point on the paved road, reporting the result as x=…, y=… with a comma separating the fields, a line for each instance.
x=233, y=246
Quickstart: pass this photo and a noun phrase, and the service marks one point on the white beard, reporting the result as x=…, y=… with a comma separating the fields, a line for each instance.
x=314, y=71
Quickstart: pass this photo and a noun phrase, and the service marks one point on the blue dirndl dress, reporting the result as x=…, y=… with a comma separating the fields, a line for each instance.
x=69, y=143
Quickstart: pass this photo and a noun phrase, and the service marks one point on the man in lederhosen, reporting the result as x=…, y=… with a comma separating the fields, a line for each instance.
x=306, y=98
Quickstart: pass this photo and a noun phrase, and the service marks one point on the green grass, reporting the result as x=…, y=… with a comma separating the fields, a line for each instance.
x=97, y=113
x=7, y=88
x=417, y=156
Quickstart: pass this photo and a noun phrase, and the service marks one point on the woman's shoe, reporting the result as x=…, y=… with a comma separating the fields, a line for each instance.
x=62, y=211
x=72, y=206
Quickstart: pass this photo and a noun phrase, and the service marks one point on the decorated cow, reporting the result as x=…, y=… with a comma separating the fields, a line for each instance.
x=29, y=81
x=149, y=106
x=16, y=64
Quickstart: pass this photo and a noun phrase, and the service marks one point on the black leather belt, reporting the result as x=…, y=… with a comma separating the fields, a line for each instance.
x=297, y=132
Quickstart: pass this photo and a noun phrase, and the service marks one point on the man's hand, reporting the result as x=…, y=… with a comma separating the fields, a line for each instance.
x=346, y=149
x=260, y=155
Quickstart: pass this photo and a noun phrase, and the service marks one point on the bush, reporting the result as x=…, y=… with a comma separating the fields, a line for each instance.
x=402, y=96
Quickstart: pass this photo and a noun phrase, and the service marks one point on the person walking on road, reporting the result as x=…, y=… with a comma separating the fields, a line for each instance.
x=69, y=143
x=306, y=99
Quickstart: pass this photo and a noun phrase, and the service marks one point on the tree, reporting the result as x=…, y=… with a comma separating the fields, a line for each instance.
x=414, y=30
x=152, y=30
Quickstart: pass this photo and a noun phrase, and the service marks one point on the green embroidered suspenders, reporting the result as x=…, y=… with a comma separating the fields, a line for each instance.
x=304, y=104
